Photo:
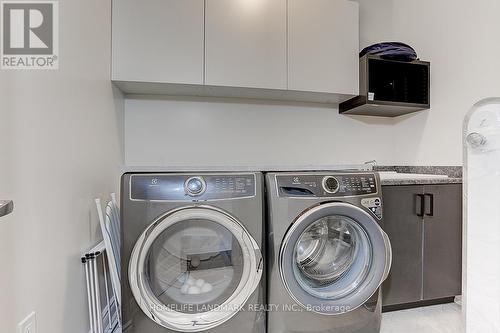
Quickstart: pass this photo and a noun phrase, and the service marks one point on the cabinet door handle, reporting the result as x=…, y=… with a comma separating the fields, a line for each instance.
x=431, y=204
x=420, y=207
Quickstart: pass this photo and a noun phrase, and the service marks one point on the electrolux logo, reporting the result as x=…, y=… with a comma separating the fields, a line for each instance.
x=30, y=35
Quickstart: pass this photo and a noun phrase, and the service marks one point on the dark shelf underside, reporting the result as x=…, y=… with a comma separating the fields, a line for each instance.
x=360, y=106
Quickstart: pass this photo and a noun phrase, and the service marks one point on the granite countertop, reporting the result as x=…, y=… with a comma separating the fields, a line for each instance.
x=428, y=181
x=419, y=175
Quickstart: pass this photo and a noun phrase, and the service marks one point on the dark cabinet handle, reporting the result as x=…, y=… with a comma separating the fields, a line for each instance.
x=431, y=204
x=420, y=208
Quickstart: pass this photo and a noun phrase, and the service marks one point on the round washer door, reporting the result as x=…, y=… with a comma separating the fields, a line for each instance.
x=333, y=258
x=194, y=268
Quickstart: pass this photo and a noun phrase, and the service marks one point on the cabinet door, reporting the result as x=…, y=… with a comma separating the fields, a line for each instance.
x=443, y=241
x=404, y=227
x=246, y=43
x=158, y=41
x=323, y=46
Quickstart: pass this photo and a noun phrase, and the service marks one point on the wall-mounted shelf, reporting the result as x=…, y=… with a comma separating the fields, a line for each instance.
x=390, y=88
x=191, y=90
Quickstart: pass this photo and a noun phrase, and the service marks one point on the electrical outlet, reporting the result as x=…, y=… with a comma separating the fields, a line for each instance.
x=28, y=325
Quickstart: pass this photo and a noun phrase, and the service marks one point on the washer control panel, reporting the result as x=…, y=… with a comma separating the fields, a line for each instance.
x=180, y=187
x=326, y=185
x=374, y=205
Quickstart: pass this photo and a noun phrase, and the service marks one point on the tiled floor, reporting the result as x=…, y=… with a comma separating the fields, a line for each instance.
x=431, y=319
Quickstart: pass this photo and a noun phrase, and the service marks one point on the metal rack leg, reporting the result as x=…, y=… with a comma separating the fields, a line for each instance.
x=89, y=297
x=93, y=293
x=98, y=298
x=108, y=304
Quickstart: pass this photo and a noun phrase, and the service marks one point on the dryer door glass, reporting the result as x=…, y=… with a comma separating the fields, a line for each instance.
x=333, y=258
x=194, y=265
x=194, y=268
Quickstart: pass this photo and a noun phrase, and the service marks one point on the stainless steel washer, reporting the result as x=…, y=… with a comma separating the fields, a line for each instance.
x=191, y=254
x=328, y=254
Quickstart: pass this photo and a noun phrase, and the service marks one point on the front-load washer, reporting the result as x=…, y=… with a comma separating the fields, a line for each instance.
x=191, y=253
x=327, y=252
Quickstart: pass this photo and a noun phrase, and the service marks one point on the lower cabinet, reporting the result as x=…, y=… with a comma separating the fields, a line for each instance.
x=405, y=230
x=442, y=274
x=424, y=223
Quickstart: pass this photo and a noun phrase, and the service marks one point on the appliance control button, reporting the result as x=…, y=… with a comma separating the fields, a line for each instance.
x=330, y=184
x=195, y=186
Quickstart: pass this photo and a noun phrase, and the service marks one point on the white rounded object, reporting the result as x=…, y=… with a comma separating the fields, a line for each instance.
x=184, y=289
x=190, y=281
x=200, y=283
x=207, y=287
x=194, y=290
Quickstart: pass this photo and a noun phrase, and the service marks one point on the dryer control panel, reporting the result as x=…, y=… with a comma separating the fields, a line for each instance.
x=181, y=187
x=326, y=185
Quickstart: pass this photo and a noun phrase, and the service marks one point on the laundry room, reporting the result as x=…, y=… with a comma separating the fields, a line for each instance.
x=281, y=166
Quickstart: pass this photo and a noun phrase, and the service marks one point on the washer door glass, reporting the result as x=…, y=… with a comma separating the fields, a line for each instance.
x=334, y=258
x=194, y=268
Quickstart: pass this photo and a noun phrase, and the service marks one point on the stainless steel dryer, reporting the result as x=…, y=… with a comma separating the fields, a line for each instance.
x=328, y=254
x=191, y=253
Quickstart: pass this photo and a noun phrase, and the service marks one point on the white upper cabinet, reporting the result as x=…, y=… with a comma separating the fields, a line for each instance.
x=295, y=50
x=158, y=41
x=323, y=46
x=245, y=43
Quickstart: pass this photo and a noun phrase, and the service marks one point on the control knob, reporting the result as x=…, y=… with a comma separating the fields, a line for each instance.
x=330, y=184
x=195, y=186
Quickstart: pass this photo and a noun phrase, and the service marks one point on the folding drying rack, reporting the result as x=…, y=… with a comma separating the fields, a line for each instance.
x=102, y=272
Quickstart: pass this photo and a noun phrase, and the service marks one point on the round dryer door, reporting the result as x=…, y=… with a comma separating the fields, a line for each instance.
x=333, y=258
x=194, y=268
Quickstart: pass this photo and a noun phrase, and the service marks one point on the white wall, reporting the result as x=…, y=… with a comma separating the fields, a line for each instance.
x=212, y=133
x=5, y=190
x=460, y=39
x=457, y=37
x=62, y=130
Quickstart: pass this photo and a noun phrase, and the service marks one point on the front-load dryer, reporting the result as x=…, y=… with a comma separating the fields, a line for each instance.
x=327, y=254
x=191, y=253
